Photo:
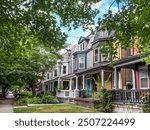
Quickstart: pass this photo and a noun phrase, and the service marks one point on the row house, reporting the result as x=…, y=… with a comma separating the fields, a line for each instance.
x=90, y=64
x=83, y=64
x=58, y=80
x=131, y=77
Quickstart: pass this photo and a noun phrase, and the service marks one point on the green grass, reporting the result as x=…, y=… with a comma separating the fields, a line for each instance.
x=65, y=108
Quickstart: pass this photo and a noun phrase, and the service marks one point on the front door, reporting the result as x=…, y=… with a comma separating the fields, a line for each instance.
x=88, y=89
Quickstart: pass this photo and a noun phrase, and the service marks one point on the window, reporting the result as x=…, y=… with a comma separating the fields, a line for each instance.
x=143, y=77
x=82, y=46
x=51, y=74
x=81, y=62
x=64, y=69
x=96, y=55
x=48, y=76
x=75, y=64
x=55, y=73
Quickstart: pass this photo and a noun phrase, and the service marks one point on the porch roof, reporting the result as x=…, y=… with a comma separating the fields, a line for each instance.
x=131, y=60
x=68, y=76
x=95, y=70
x=53, y=80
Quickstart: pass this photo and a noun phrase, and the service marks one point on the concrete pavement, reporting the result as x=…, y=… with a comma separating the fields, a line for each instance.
x=6, y=105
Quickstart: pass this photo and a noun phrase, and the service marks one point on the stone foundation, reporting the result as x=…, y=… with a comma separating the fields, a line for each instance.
x=126, y=108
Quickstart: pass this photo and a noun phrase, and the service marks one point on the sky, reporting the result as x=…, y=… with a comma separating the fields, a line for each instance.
x=74, y=35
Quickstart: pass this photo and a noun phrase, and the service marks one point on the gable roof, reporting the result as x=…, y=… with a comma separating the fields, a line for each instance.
x=83, y=39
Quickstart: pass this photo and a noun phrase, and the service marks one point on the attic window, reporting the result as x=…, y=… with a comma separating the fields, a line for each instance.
x=82, y=46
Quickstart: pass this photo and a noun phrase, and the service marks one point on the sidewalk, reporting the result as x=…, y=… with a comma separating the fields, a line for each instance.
x=6, y=105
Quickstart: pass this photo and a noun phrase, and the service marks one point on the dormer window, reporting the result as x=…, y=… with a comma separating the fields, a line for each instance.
x=82, y=46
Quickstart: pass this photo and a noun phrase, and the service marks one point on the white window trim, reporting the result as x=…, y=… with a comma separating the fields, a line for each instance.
x=140, y=78
x=83, y=62
x=94, y=55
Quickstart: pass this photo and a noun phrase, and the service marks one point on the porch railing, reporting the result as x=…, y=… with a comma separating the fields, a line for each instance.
x=129, y=96
x=65, y=93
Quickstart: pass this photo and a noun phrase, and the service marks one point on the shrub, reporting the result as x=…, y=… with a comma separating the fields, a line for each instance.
x=104, y=96
x=26, y=97
x=26, y=94
x=34, y=100
x=23, y=94
x=104, y=104
x=25, y=101
x=49, y=98
x=146, y=101
x=21, y=102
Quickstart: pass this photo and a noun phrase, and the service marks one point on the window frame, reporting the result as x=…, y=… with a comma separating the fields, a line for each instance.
x=81, y=62
x=48, y=76
x=96, y=55
x=55, y=73
x=63, y=69
x=143, y=67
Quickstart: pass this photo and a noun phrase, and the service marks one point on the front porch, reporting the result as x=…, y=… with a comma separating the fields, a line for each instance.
x=139, y=96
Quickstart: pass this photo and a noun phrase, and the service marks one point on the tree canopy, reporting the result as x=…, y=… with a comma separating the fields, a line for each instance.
x=29, y=26
x=130, y=25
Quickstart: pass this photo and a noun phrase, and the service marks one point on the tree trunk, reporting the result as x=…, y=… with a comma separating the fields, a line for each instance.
x=3, y=92
x=33, y=91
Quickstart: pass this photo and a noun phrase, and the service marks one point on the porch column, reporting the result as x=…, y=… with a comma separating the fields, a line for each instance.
x=50, y=86
x=59, y=82
x=43, y=87
x=53, y=86
x=133, y=78
x=102, y=78
x=120, y=80
x=83, y=81
x=115, y=78
x=70, y=85
x=76, y=82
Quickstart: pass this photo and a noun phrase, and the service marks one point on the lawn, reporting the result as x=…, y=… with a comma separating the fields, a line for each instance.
x=63, y=108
